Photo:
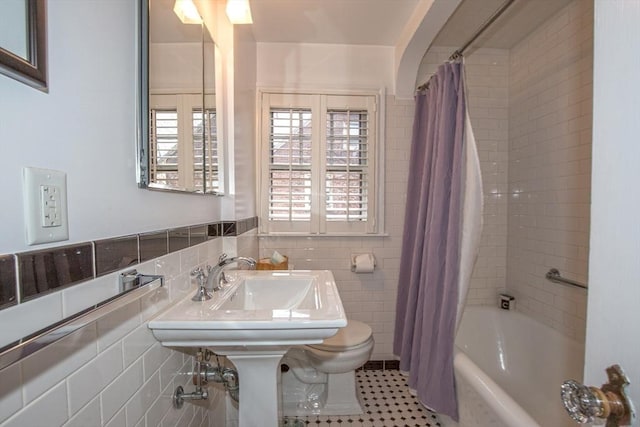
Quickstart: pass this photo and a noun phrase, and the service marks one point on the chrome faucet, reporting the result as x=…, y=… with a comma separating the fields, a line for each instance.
x=214, y=279
x=215, y=276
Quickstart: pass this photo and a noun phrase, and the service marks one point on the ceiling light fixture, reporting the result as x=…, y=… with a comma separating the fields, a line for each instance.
x=187, y=12
x=239, y=12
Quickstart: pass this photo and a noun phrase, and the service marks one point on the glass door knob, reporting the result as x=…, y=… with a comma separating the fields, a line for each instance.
x=588, y=404
x=580, y=402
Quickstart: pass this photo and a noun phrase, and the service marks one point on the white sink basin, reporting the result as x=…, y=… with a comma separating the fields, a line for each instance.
x=253, y=321
x=272, y=292
x=257, y=308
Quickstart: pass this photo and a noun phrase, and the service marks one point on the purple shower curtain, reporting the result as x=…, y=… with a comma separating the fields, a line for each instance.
x=428, y=283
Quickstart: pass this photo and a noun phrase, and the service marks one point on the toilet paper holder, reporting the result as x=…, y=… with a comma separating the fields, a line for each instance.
x=360, y=261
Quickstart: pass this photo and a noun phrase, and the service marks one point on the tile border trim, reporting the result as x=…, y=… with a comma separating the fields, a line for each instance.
x=193, y=234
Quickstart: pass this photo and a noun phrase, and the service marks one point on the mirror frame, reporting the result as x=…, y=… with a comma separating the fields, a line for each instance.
x=142, y=95
x=143, y=165
x=33, y=72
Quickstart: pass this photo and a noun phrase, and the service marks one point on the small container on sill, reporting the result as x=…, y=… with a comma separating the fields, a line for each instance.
x=266, y=264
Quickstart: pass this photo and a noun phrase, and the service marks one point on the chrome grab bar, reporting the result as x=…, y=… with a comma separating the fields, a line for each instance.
x=24, y=347
x=553, y=275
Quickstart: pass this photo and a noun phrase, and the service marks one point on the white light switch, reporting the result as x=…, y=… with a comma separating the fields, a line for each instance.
x=45, y=205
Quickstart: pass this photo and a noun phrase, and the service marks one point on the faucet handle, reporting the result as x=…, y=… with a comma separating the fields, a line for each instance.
x=200, y=275
x=222, y=258
x=197, y=273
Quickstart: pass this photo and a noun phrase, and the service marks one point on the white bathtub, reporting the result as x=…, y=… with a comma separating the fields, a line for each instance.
x=509, y=368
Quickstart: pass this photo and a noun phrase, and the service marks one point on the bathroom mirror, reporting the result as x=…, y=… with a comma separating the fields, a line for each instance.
x=23, y=43
x=180, y=112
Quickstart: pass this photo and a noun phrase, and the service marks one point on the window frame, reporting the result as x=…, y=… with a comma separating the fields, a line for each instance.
x=321, y=103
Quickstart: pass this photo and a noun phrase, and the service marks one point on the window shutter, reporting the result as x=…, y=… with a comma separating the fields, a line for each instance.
x=164, y=147
x=197, y=132
x=205, y=148
x=318, y=173
x=347, y=166
x=290, y=165
x=212, y=151
x=181, y=137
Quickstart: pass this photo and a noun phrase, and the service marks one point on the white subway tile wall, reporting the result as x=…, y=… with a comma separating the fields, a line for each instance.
x=41, y=311
x=113, y=373
x=550, y=103
x=487, y=80
x=530, y=108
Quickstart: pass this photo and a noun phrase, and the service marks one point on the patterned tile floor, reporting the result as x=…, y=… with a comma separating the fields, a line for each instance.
x=387, y=403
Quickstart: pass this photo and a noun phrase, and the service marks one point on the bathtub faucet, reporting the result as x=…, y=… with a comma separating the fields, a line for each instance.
x=215, y=276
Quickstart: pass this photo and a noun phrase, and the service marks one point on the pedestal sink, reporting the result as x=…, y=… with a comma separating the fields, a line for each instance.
x=253, y=321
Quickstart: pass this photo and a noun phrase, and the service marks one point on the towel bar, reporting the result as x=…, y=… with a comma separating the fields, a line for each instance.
x=20, y=349
x=553, y=275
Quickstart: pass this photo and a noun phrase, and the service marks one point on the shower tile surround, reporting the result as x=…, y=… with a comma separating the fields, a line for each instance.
x=530, y=108
x=114, y=373
x=550, y=127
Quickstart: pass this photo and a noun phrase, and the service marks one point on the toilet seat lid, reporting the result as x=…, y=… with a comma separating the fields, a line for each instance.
x=353, y=335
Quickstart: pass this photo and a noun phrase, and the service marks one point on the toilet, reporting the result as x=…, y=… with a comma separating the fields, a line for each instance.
x=320, y=379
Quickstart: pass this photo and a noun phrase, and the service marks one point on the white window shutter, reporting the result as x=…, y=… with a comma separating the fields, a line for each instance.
x=318, y=167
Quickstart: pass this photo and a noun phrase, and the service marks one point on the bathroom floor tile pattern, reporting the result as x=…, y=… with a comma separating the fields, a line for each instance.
x=387, y=403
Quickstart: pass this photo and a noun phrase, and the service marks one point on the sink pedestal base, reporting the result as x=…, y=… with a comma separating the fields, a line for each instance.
x=259, y=397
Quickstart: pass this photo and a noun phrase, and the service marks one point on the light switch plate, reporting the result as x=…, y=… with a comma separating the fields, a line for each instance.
x=45, y=205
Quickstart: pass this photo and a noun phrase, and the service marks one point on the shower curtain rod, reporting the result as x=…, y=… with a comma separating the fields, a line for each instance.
x=460, y=51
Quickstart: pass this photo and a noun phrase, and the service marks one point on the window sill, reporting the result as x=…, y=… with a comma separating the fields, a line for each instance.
x=285, y=234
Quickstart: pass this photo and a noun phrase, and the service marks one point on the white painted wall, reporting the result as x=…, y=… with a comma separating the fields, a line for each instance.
x=244, y=74
x=613, y=318
x=86, y=126
x=324, y=66
x=178, y=67
x=423, y=27
x=238, y=56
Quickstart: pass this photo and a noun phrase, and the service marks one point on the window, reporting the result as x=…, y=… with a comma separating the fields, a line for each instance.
x=180, y=132
x=319, y=170
x=164, y=147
